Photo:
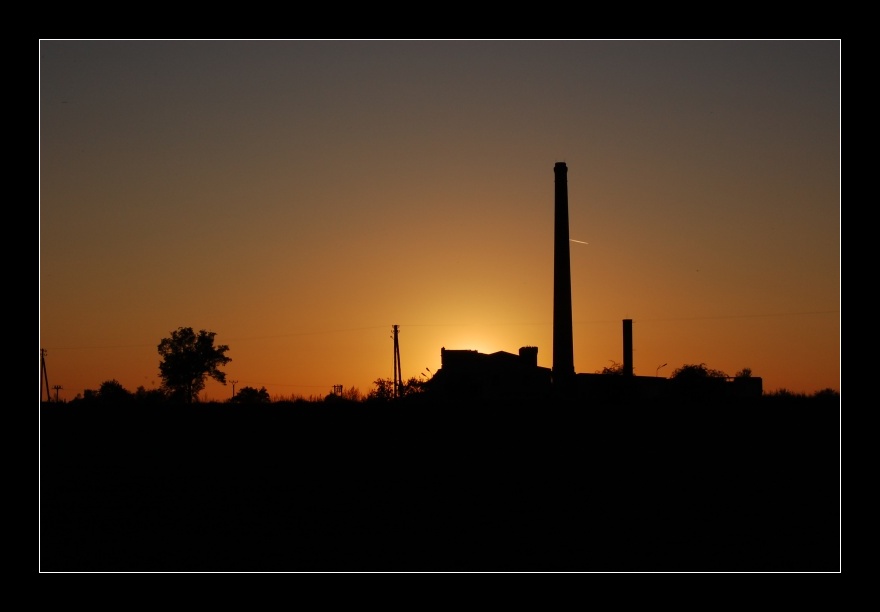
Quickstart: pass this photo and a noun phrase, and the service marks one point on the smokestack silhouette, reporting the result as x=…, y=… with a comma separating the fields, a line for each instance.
x=627, y=347
x=563, y=342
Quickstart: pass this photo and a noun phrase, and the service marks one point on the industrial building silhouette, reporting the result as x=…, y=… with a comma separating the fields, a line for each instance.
x=503, y=375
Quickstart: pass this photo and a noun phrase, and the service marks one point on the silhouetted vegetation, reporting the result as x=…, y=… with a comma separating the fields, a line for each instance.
x=697, y=372
x=615, y=369
x=825, y=397
x=351, y=394
x=383, y=389
x=250, y=395
x=111, y=392
x=149, y=397
x=187, y=360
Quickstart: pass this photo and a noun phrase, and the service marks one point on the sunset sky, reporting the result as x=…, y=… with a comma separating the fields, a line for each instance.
x=299, y=198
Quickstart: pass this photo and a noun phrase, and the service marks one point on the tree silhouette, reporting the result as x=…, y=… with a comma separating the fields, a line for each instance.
x=250, y=395
x=112, y=391
x=384, y=389
x=187, y=360
x=352, y=394
x=697, y=372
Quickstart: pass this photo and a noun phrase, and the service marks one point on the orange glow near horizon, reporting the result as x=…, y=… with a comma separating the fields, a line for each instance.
x=299, y=198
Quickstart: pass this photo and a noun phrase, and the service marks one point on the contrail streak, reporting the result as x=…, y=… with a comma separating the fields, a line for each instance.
x=578, y=241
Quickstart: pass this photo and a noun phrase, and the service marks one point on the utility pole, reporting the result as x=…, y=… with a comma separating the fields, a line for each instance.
x=398, y=381
x=57, y=387
x=233, y=387
x=44, y=376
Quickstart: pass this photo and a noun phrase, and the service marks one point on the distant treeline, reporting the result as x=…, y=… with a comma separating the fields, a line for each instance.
x=189, y=358
x=412, y=392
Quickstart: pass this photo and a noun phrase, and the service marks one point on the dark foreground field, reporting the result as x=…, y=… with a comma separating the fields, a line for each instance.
x=440, y=488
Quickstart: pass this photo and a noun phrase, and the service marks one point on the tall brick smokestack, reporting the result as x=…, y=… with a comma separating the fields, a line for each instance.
x=563, y=342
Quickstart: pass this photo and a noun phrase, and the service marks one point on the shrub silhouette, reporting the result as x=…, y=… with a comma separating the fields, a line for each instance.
x=112, y=391
x=615, y=369
x=384, y=389
x=250, y=395
x=693, y=372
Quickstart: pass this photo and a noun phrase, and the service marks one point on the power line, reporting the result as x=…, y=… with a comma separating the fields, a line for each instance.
x=396, y=363
x=469, y=324
x=261, y=383
x=745, y=316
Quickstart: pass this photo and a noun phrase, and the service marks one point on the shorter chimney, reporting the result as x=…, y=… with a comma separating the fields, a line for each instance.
x=529, y=356
x=627, y=347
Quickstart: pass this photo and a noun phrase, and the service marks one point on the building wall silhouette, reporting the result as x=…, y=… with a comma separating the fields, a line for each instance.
x=469, y=373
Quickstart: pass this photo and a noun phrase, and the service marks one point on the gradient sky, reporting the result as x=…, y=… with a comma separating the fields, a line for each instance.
x=299, y=198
